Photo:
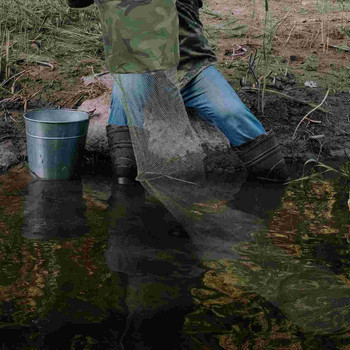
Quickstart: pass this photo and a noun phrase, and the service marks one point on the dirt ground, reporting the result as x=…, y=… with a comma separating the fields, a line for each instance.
x=305, y=29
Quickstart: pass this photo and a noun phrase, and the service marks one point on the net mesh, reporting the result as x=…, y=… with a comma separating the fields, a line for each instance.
x=170, y=158
x=164, y=142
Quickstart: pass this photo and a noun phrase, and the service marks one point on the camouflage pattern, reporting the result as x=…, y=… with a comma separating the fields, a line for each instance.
x=139, y=35
x=195, y=51
x=170, y=36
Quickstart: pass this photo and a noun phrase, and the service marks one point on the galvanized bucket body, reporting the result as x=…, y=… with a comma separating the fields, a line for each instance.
x=55, y=142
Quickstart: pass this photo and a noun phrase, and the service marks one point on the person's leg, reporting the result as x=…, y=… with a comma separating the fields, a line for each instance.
x=129, y=96
x=117, y=115
x=216, y=102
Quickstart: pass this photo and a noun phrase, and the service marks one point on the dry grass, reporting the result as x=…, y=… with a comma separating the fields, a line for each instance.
x=45, y=29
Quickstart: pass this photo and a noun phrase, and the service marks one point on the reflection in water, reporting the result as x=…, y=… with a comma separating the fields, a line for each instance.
x=278, y=295
x=204, y=211
x=54, y=209
x=151, y=250
x=124, y=274
x=258, y=199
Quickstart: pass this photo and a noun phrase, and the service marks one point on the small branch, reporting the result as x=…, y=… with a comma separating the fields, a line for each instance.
x=313, y=121
x=314, y=39
x=101, y=74
x=306, y=116
x=290, y=33
x=41, y=26
x=287, y=96
x=340, y=48
x=7, y=47
x=210, y=13
x=78, y=100
x=46, y=64
x=282, y=20
x=34, y=95
x=13, y=76
x=251, y=68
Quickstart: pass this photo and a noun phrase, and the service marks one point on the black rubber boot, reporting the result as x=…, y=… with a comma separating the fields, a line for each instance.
x=263, y=159
x=121, y=153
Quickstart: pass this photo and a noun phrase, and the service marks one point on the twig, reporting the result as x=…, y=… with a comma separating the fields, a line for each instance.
x=46, y=64
x=34, y=95
x=327, y=41
x=290, y=33
x=315, y=137
x=340, y=48
x=210, y=13
x=7, y=47
x=307, y=41
x=72, y=97
x=314, y=39
x=41, y=26
x=12, y=119
x=305, y=117
x=287, y=96
x=78, y=100
x=313, y=121
x=13, y=76
x=101, y=74
x=320, y=151
x=282, y=20
x=251, y=68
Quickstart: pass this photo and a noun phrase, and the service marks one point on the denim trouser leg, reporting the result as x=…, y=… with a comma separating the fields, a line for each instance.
x=216, y=102
x=138, y=87
x=117, y=115
x=209, y=94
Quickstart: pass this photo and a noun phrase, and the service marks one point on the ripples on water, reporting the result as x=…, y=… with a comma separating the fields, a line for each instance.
x=89, y=265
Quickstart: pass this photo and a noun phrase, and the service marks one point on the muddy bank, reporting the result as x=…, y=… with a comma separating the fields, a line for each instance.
x=324, y=135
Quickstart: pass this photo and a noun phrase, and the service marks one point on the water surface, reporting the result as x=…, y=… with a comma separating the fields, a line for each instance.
x=87, y=264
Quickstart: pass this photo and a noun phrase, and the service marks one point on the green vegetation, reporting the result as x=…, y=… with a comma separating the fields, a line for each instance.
x=49, y=32
x=267, y=65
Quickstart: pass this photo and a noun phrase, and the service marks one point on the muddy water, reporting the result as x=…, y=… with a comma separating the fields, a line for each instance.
x=86, y=264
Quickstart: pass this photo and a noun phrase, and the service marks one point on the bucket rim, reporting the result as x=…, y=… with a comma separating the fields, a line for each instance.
x=56, y=109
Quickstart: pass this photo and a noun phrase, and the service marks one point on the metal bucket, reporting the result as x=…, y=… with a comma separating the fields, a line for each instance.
x=55, y=142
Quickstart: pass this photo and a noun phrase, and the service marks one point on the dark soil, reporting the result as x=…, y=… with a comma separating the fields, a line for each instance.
x=324, y=136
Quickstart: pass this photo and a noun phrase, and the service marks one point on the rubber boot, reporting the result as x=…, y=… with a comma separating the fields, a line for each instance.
x=122, y=154
x=263, y=159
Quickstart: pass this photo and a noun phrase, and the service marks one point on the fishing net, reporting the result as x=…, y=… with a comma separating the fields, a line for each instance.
x=170, y=163
x=142, y=53
x=166, y=146
x=170, y=159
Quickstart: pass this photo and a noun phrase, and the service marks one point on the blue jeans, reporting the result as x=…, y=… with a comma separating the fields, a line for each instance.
x=208, y=93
